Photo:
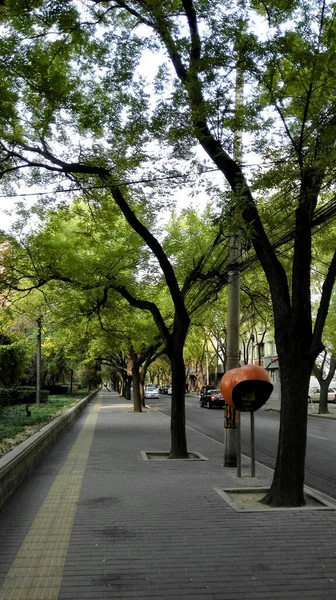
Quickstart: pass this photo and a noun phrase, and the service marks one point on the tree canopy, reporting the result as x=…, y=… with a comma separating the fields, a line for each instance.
x=81, y=110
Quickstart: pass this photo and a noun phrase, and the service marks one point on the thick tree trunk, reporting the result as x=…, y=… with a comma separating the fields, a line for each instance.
x=122, y=384
x=287, y=488
x=177, y=427
x=323, y=403
x=136, y=387
x=324, y=383
x=71, y=381
x=142, y=387
x=127, y=388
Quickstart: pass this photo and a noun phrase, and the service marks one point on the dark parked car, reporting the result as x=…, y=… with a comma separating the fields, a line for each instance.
x=211, y=397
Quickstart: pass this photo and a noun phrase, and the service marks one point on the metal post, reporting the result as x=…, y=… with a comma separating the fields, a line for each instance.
x=252, y=445
x=239, y=471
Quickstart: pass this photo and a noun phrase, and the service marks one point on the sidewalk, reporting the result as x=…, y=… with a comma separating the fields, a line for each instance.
x=95, y=520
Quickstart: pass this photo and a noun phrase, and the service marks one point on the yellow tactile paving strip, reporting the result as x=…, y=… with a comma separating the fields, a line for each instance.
x=36, y=572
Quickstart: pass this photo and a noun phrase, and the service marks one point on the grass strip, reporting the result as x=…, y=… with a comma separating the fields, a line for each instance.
x=16, y=426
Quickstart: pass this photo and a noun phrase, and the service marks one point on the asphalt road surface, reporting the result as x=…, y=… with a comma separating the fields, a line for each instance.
x=321, y=441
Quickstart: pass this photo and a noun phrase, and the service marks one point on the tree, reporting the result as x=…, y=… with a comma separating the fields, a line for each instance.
x=290, y=69
x=292, y=128
x=126, y=341
x=96, y=265
x=13, y=359
x=324, y=371
x=325, y=365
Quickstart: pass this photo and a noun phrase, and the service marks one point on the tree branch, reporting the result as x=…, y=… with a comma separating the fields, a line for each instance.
x=322, y=313
x=145, y=305
x=195, y=51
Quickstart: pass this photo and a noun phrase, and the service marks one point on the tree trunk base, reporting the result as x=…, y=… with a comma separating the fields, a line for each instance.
x=178, y=455
x=276, y=499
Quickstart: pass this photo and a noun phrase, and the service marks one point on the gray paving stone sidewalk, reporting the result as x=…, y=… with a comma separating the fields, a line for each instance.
x=158, y=529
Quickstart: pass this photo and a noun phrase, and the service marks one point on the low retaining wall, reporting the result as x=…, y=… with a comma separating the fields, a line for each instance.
x=19, y=462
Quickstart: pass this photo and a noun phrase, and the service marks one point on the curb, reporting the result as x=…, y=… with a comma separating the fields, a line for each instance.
x=17, y=464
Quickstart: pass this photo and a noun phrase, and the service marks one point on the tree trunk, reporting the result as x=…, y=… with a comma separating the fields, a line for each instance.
x=71, y=381
x=142, y=387
x=136, y=387
x=177, y=425
x=323, y=403
x=287, y=488
x=116, y=381
x=127, y=387
x=324, y=383
x=122, y=384
x=177, y=428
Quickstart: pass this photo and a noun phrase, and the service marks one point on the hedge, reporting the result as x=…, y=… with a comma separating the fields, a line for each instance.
x=57, y=389
x=21, y=395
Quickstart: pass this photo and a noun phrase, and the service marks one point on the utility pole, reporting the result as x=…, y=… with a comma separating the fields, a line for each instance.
x=38, y=362
x=232, y=432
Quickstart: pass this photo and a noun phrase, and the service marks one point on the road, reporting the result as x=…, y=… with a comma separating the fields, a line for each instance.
x=321, y=441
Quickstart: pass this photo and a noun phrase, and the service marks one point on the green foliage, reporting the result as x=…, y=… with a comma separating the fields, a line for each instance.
x=57, y=389
x=21, y=395
x=13, y=419
x=13, y=360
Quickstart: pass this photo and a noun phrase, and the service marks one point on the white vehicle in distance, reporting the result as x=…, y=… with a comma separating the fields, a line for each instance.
x=151, y=391
x=314, y=394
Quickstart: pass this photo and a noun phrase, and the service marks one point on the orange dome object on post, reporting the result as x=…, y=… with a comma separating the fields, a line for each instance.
x=246, y=388
x=225, y=386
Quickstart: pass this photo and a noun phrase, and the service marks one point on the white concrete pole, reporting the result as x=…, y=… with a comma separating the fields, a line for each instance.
x=232, y=440
x=38, y=362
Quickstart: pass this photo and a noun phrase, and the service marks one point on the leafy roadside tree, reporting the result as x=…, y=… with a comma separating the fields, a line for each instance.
x=195, y=348
x=99, y=269
x=159, y=372
x=325, y=364
x=126, y=340
x=209, y=324
x=324, y=371
x=295, y=126
x=292, y=126
x=13, y=359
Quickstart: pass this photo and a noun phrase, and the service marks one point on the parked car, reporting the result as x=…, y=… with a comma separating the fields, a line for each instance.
x=151, y=391
x=314, y=394
x=211, y=397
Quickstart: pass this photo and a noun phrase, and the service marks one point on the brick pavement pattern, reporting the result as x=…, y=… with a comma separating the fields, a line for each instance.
x=156, y=529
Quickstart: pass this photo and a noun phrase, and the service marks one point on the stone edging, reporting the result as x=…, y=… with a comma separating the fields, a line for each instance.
x=19, y=462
